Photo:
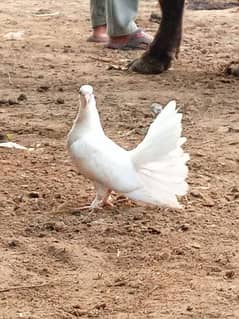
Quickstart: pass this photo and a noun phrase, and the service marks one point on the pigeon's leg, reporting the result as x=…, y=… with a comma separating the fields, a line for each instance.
x=102, y=197
x=107, y=199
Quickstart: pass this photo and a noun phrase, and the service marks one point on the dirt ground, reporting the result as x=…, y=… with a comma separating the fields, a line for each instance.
x=132, y=261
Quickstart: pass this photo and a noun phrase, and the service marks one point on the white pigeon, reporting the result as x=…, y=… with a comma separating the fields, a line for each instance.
x=154, y=172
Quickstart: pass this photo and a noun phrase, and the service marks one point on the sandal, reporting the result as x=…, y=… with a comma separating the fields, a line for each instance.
x=138, y=40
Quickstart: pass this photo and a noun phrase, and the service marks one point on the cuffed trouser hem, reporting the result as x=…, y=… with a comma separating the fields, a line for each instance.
x=98, y=13
x=113, y=32
x=119, y=15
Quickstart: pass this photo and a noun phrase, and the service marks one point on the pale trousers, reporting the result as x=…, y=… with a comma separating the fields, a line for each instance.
x=118, y=15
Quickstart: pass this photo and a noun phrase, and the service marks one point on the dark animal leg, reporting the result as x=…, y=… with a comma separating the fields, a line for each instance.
x=166, y=43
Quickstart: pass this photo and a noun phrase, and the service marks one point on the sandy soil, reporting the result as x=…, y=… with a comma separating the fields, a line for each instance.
x=131, y=261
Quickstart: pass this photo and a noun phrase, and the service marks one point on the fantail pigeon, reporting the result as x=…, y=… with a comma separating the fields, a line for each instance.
x=154, y=172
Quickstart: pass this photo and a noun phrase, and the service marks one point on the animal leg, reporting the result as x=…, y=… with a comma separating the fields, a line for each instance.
x=166, y=43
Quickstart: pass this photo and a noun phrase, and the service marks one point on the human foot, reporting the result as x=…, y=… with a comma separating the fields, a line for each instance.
x=138, y=40
x=99, y=34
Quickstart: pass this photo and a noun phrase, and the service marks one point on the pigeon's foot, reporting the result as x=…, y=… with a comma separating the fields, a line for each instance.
x=88, y=207
x=108, y=201
x=121, y=199
x=102, y=197
x=99, y=202
x=64, y=208
x=94, y=206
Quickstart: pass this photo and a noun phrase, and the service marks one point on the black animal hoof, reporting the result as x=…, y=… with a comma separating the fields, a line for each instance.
x=149, y=65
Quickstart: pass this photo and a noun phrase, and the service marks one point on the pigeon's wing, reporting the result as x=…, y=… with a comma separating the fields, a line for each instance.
x=103, y=161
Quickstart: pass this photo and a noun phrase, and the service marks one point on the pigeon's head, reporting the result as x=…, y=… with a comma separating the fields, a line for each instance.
x=86, y=93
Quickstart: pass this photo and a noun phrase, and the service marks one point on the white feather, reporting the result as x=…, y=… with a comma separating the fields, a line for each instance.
x=160, y=160
x=12, y=145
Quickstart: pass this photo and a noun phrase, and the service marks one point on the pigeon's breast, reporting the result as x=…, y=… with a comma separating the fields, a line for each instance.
x=103, y=161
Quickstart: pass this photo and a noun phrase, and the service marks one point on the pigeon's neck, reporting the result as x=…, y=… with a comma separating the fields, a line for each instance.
x=87, y=121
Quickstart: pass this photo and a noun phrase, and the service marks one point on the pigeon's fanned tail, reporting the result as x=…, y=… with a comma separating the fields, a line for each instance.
x=163, y=136
x=161, y=162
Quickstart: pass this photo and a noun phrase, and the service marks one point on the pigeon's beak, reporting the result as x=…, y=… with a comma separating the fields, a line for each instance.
x=85, y=98
x=86, y=92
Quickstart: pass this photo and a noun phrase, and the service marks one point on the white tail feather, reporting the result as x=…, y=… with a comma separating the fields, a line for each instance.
x=161, y=162
x=162, y=137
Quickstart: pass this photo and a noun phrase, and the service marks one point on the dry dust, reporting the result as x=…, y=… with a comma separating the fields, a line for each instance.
x=131, y=261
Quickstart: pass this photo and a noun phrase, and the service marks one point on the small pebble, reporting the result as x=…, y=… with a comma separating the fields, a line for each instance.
x=22, y=97
x=232, y=69
x=60, y=100
x=184, y=227
x=43, y=88
x=13, y=243
x=3, y=137
x=230, y=274
x=55, y=226
x=208, y=202
x=156, y=108
x=196, y=194
x=196, y=245
x=33, y=195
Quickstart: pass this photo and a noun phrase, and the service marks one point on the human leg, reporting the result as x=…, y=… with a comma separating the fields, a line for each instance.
x=120, y=17
x=98, y=21
x=121, y=26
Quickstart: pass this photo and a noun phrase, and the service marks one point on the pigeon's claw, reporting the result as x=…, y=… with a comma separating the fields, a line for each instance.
x=96, y=204
x=100, y=201
x=77, y=210
x=108, y=201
